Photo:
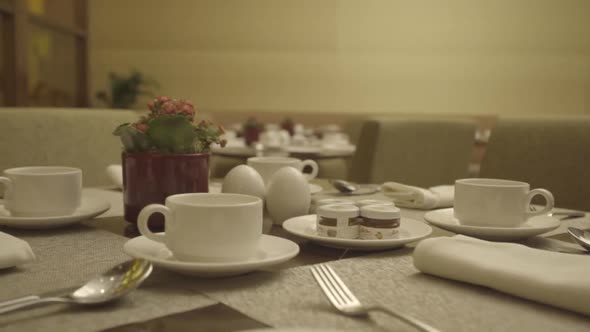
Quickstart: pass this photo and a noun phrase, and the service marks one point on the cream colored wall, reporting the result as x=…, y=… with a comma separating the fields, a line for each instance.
x=450, y=56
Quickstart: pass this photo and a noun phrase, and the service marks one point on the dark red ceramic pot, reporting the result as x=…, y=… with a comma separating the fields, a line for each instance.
x=150, y=178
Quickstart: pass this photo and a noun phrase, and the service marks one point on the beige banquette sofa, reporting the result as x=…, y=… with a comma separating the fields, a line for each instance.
x=62, y=136
x=83, y=138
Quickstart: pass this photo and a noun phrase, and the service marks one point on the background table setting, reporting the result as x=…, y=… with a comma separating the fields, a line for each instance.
x=253, y=139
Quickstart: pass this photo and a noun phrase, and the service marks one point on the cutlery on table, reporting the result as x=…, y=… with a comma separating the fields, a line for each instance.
x=543, y=243
x=109, y=286
x=342, y=186
x=580, y=236
x=344, y=300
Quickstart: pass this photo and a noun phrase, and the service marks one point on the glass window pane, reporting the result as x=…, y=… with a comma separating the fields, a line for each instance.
x=62, y=11
x=52, y=68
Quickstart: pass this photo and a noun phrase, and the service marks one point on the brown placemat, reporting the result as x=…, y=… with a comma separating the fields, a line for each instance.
x=291, y=298
x=67, y=258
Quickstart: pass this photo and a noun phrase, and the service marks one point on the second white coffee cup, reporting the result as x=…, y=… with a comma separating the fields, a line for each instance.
x=207, y=227
x=267, y=166
x=42, y=191
x=497, y=203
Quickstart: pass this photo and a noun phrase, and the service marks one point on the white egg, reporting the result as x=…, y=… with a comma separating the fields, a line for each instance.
x=244, y=180
x=288, y=195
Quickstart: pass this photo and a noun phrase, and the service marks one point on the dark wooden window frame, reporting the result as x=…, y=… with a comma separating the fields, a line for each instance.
x=17, y=21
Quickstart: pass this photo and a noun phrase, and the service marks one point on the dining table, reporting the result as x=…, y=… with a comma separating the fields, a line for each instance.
x=281, y=296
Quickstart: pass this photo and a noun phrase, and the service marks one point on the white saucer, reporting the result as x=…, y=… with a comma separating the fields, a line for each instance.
x=272, y=250
x=303, y=149
x=305, y=227
x=445, y=219
x=314, y=188
x=90, y=207
x=215, y=188
x=343, y=148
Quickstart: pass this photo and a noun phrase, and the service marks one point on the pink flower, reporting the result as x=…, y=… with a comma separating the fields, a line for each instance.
x=169, y=108
x=187, y=109
x=163, y=99
x=141, y=127
x=150, y=105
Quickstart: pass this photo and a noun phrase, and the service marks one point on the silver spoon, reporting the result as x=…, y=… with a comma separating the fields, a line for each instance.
x=582, y=237
x=343, y=186
x=106, y=287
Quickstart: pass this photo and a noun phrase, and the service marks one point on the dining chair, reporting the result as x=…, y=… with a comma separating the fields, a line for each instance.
x=416, y=151
x=550, y=152
x=221, y=165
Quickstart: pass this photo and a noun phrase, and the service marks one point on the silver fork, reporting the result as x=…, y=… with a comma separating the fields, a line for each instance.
x=344, y=301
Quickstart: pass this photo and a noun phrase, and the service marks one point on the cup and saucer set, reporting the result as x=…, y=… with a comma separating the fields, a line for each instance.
x=224, y=240
x=219, y=233
x=497, y=210
x=267, y=166
x=44, y=197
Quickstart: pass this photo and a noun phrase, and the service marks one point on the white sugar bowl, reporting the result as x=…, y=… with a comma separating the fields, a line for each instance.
x=287, y=195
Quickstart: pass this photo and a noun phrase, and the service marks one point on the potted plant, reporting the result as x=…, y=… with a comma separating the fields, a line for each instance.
x=126, y=90
x=251, y=131
x=289, y=125
x=165, y=153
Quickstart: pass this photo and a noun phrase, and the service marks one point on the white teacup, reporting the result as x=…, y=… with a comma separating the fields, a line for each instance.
x=336, y=138
x=496, y=203
x=275, y=138
x=42, y=191
x=207, y=227
x=267, y=166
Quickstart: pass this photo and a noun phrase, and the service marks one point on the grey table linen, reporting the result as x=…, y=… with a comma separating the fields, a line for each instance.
x=67, y=258
x=291, y=298
x=283, y=297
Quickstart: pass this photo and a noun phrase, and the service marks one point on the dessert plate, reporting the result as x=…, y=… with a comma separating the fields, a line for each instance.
x=445, y=219
x=90, y=207
x=305, y=227
x=272, y=250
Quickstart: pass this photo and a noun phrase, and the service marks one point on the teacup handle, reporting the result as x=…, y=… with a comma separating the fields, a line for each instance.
x=7, y=185
x=314, y=169
x=144, y=216
x=548, y=206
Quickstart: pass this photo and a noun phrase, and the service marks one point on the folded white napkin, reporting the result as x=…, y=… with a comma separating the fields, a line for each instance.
x=419, y=198
x=14, y=251
x=558, y=279
x=115, y=174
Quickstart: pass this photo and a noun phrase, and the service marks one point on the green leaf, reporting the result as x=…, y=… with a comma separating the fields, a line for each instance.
x=172, y=134
x=133, y=140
